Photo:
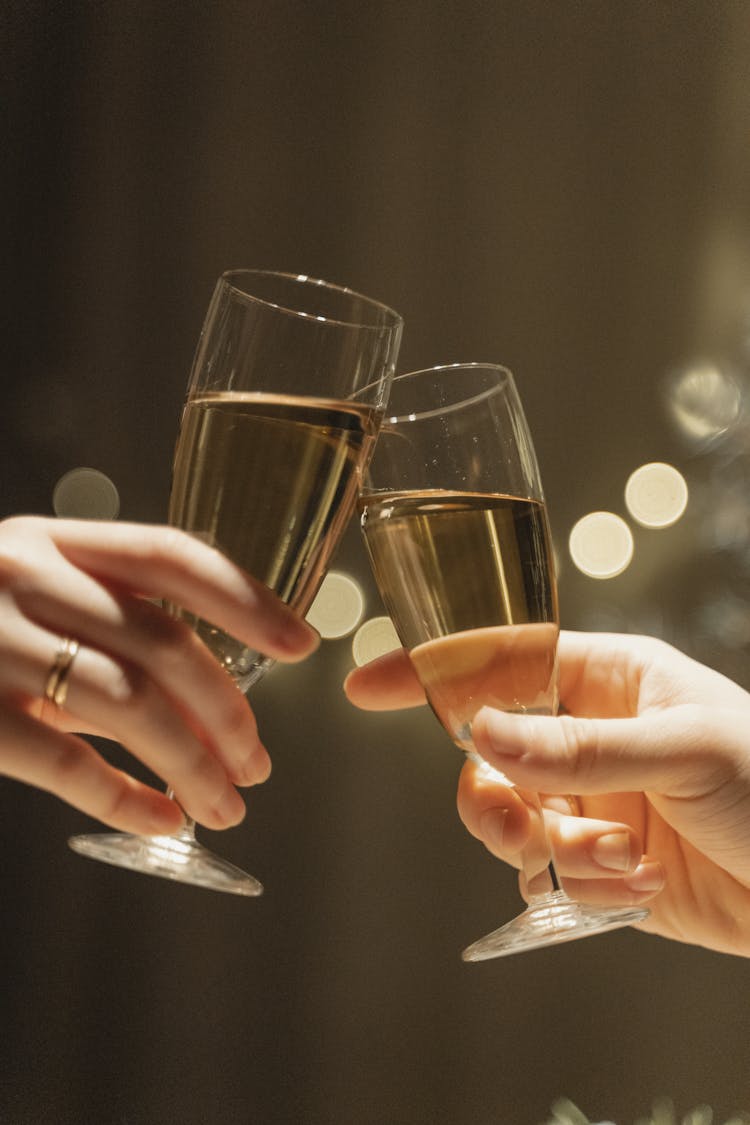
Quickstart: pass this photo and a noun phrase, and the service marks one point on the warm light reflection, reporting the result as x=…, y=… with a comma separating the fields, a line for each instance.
x=374, y=638
x=656, y=495
x=556, y=560
x=338, y=606
x=85, y=494
x=601, y=545
x=704, y=401
x=170, y=849
x=488, y=772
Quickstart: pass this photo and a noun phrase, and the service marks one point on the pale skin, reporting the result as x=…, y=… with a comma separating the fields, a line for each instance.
x=140, y=677
x=656, y=748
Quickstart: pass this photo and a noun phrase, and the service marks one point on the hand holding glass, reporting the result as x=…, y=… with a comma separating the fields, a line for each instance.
x=456, y=527
x=286, y=396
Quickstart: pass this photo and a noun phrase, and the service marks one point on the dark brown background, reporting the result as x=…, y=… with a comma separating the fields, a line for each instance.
x=559, y=186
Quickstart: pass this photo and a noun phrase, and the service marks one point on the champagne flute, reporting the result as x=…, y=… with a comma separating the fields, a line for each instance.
x=456, y=529
x=285, y=399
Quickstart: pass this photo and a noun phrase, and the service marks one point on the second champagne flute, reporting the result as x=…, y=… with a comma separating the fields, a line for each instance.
x=456, y=528
x=285, y=399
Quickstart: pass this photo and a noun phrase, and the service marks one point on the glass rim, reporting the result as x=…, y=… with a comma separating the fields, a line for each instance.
x=413, y=416
x=228, y=277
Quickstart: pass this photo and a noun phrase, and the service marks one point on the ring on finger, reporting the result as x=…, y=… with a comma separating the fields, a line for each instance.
x=56, y=685
x=564, y=803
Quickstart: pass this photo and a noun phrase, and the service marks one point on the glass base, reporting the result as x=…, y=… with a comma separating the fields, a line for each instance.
x=179, y=857
x=550, y=920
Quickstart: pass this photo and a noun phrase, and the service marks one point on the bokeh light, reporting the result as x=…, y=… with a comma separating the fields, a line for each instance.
x=374, y=638
x=656, y=495
x=338, y=606
x=601, y=545
x=86, y=494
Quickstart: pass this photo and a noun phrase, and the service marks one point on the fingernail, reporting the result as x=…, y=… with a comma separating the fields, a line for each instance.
x=613, y=851
x=252, y=770
x=297, y=637
x=260, y=765
x=231, y=808
x=492, y=827
x=648, y=876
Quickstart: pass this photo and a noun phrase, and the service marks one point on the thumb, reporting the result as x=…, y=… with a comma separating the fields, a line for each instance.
x=678, y=752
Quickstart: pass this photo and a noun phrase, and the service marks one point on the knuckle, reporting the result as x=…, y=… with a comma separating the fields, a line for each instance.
x=655, y=647
x=206, y=777
x=71, y=761
x=114, y=800
x=698, y=745
x=176, y=547
x=18, y=526
x=127, y=685
x=199, y=770
x=235, y=717
x=18, y=547
x=166, y=542
x=578, y=747
x=169, y=639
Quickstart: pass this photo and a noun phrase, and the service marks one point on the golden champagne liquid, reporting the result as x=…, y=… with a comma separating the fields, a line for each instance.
x=271, y=481
x=446, y=562
x=469, y=583
x=468, y=580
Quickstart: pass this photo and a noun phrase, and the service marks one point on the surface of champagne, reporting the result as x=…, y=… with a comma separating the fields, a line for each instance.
x=271, y=481
x=469, y=583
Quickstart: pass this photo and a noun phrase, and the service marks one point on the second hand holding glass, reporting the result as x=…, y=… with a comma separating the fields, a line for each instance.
x=285, y=399
x=456, y=528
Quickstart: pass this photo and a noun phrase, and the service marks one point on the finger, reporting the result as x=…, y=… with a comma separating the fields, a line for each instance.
x=136, y=713
x=612, y=675
x=181, y=685
x=583, y=848
x=634, y=889
x=121, y=702
x=600, y=673
x=493, y=812
x=388, y=683
x=167, y=563
x=70, y=768
x=662, y=751
x=591, y=665
x=596, y=669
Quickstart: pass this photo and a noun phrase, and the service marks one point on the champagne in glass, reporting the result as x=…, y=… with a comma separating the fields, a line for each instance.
x=456, y=528
x=271, y=481
x=285, y=399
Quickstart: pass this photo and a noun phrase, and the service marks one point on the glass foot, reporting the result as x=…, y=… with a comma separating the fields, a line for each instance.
x=550, y=920
x=179, y=857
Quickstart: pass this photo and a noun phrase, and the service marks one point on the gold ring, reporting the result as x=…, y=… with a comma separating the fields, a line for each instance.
x=56, y=687
x=575, y=804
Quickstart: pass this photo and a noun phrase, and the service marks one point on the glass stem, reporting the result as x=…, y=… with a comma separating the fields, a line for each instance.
x=187, y=830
